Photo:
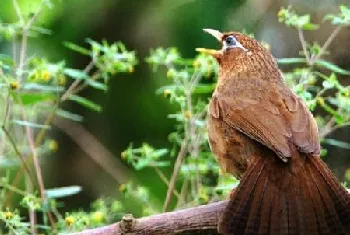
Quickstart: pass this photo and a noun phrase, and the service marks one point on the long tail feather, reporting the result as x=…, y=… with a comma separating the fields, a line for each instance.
x=296, y=198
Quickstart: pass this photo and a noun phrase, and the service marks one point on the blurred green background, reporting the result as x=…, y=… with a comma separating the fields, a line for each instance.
x=89, y=153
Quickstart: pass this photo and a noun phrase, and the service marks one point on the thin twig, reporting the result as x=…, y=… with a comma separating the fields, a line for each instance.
x=18, y=11
x=26, y=27
x=165, y=180
x=94, y=149
x=173, y=178
x=14, y=50
x=75, y=84
x=38, y=171
x=303, y=44
x=19, y=154
x=32, y=215
x=183, y=192
x=28, y=160
x=7, y=108
x=325, y=46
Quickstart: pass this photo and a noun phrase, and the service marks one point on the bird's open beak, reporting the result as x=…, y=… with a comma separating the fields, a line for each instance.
x=215, y=53
x=215, y=33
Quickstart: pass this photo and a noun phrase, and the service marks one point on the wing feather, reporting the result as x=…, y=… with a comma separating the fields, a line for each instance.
x=282, y=123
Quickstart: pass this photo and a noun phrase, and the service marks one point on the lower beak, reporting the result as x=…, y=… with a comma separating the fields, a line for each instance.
x=215, y=53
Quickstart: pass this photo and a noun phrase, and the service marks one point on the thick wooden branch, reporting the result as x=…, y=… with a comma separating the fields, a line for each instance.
x=195, y=220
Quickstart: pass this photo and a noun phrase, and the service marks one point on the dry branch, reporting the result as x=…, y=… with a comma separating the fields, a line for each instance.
x=195, y=220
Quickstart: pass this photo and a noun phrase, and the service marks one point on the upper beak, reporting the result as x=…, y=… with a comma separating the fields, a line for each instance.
x=215, y=33
x=215, y=53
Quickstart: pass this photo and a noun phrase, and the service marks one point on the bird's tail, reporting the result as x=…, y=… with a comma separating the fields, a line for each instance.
x=300, y=197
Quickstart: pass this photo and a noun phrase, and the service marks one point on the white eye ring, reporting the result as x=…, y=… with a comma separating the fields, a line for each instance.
x=231, y=42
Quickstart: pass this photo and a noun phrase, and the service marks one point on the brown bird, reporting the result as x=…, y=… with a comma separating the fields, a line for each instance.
x=262, y=133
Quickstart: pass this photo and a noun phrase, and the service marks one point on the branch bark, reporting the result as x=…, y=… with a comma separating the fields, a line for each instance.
x=195, y=220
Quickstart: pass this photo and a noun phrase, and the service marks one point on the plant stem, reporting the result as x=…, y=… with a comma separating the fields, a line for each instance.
x=325, y=46
x=26, y=28
x=18, y=11
x=21, y=157
x=165, y=180
x=173, y=178
x=75, y=84
x=32, y=215
x=303, y=44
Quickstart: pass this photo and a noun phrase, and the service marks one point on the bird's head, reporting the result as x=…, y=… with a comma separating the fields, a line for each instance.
x=239, y=51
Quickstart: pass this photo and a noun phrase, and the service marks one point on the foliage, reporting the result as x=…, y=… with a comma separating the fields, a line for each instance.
x=33, y=90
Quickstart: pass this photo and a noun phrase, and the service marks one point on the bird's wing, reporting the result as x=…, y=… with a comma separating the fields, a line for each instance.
x=278, y=120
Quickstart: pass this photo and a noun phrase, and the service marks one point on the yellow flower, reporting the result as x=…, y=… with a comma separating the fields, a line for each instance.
x=62, y=80
x=282, y=13
x=171, y=73
x=312, y=81
x=53, y=145
x=266, y=45
x=69, y=220
x=34, y=76
x=122, y=188
x=14, y=85
x=320, y=100
x=187, y=114
x=45, y=75
x=196, y=63
x=8, y=215
x=98, y=216
x=123, y=155
x=166, y=93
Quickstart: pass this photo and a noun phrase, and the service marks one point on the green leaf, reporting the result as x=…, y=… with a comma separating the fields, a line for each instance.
x=6, y=59
x=345, y=11
x=75, y=73
x=86, y=102
x=320, y=63
x=291, y=60
x=327, y=84
x=75, y=47
x=310, y=26
x=337, y=143
x=40, y=30
x=142, y=163
x=160, y=164
x=204, y=88
x=97, y=85
x=302, y=20
x=69, y=115
x=33, y=98
x=163, y=88
x=332, y=67
x=160, y=152
x=41, y=87
x=7, y=163
x=62, y=191
x=30, y=124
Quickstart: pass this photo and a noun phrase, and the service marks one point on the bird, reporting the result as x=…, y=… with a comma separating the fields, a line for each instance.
x=263, y=133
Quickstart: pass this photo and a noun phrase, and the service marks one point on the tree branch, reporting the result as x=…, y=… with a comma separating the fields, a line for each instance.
x=195, y=220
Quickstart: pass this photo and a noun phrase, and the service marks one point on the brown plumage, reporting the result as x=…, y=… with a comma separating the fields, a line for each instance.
x=262, y=133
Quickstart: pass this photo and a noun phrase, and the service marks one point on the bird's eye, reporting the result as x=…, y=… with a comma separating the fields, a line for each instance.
x=230, y=41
